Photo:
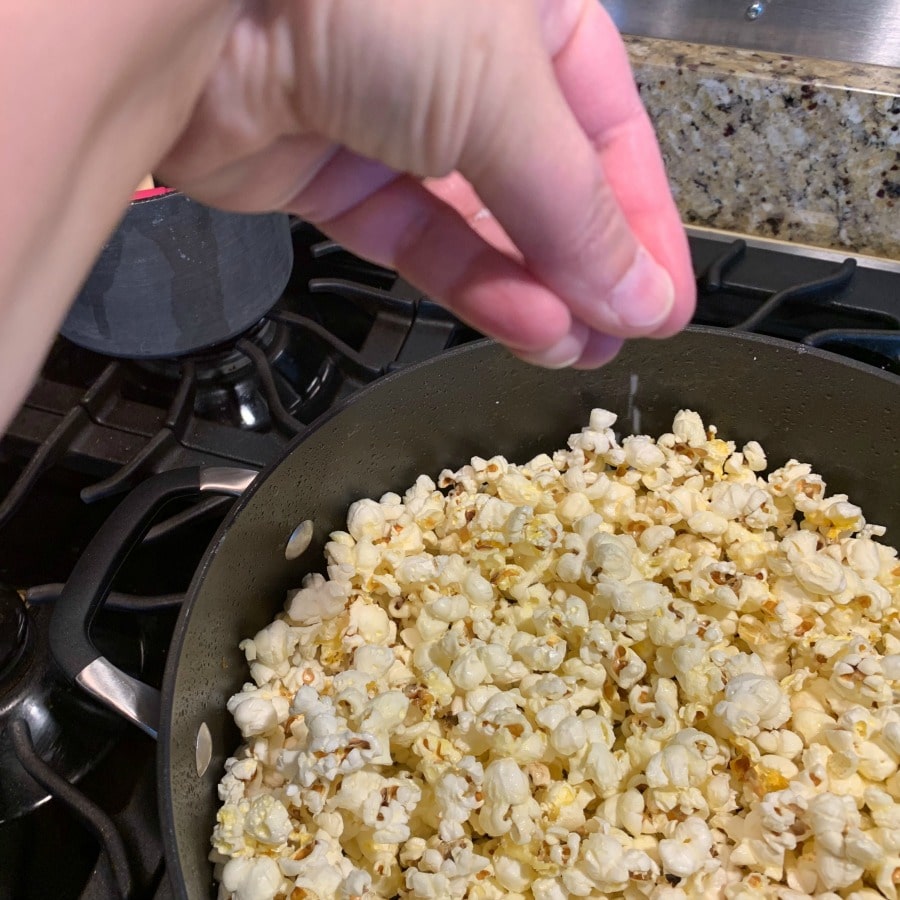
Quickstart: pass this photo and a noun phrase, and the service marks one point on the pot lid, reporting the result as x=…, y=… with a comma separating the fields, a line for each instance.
x=177, y=277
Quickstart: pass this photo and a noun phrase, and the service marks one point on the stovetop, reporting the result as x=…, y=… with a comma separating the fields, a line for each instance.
x=93, y=427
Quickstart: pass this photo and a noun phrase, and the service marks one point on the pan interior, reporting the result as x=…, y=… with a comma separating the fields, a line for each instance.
x=479, y=400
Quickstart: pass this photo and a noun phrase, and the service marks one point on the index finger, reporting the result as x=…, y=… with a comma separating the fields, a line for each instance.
x=594, y=74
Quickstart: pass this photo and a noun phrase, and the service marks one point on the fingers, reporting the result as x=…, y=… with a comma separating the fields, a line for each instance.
x=401, y=224
x=598, y=349
x=594, y=74
x=537, y=170
x=455, y=191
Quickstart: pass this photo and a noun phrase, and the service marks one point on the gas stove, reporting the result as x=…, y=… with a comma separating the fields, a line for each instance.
x=77, y=787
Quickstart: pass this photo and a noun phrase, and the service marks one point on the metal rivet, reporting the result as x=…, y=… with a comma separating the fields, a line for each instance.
x=299, y=540
x=755, y=10
x=203, y=749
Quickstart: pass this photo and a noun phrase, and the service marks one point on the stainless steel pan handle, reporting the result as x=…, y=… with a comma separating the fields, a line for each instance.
x=91, y=579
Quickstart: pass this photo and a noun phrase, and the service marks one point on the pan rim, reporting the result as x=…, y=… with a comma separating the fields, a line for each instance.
x=164, y=782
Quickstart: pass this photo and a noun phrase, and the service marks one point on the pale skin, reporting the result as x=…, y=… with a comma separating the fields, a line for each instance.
x=393, y=126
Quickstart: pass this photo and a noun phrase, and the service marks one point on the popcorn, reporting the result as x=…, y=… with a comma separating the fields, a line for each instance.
x=569, y=736
x=318, y=599
x=508, y=805
x=366, y=520
x=687, y=851
x=606, y=865
x=752, y=703
x=632, y=668
x=258, y=878
x=688, y=428
x=267, y=821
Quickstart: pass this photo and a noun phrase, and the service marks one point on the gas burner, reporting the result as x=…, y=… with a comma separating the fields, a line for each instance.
x=266, y=378
x=217, y=364
x=341, y=323
x=53, y=720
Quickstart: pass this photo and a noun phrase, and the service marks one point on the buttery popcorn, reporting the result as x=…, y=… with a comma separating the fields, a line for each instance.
x=630, y=669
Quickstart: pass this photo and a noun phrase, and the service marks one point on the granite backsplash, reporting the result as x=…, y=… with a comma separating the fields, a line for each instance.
x=802, y=150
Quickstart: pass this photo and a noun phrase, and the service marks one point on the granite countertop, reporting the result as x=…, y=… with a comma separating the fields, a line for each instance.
x=779, y=146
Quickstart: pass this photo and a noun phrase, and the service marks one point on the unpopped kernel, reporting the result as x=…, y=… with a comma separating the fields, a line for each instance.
x=631, y=669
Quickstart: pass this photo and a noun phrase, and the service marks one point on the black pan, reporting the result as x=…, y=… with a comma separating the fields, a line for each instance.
x=797, y=402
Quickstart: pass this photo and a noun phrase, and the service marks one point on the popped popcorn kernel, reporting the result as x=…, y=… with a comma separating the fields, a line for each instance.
x=634, y=668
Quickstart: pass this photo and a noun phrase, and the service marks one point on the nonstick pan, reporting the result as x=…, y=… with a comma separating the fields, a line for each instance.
x=798, y=402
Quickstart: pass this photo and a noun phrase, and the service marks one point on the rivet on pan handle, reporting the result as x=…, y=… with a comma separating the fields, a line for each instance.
x=92, y=577
x=299, y=541
x=203, y=749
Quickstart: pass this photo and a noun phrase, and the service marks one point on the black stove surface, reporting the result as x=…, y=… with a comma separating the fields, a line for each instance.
x=94, y=427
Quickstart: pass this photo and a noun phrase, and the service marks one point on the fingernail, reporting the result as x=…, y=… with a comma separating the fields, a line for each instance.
x=562, y=354
x=645, y=296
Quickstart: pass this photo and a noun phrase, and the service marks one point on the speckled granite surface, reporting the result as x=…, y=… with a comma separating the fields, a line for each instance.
x=802, y=150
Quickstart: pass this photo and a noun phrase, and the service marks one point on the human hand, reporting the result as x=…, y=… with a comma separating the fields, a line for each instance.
x=395, y=127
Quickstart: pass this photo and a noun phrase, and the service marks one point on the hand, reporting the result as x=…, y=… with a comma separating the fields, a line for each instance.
x=396, y=126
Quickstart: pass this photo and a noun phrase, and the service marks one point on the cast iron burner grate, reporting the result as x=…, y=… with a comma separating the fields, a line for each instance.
x=97, y=815
x=848, y=307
